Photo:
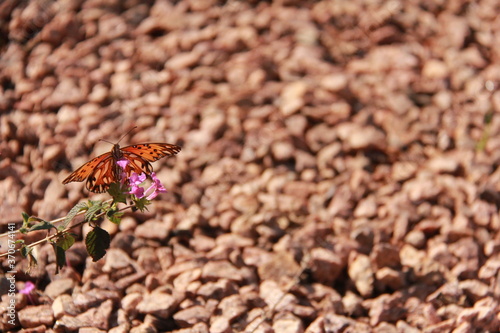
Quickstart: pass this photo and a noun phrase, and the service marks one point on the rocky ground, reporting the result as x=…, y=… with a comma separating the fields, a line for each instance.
x=339, y=169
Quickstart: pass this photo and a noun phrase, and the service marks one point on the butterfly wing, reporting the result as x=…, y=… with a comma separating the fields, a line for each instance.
x=141, y=154
x=98, y=172
x=152, y=151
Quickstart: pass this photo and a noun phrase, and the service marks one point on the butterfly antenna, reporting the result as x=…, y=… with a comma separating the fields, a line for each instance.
x=133, y=128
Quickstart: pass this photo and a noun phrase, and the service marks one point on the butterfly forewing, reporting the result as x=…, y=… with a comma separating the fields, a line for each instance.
x=152, y=151
x=100, y=172
x=87, y=169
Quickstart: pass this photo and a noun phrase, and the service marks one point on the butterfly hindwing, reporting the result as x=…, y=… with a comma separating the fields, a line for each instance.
x=102, y=176
x=137, y=164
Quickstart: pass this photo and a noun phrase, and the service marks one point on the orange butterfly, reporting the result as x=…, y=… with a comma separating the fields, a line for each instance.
x=101, y=171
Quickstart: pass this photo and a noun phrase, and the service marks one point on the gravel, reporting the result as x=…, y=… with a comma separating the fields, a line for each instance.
x=338, y=172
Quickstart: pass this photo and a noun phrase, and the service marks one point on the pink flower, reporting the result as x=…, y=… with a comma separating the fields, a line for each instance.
x=28, y=290
x=122, y=163
x=135, y=180
x=157, y=187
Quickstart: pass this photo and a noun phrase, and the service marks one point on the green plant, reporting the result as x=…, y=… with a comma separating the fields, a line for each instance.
x=97, y=240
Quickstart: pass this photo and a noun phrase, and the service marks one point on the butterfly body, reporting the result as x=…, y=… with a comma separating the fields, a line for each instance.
x=103, y=170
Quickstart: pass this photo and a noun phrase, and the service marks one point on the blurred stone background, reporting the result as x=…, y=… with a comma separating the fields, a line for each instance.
x=338, y=173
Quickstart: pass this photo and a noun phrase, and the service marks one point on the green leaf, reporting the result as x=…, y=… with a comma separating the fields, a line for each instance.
x=60, y=257
x=142, y=203
x=114, y=216
x=488, y=117
x=66, y=241
x=25, y=251
x=42, y=225
x=72, y=213
x=94, y=208
x=28, y=222
x=97, y=242
x=118, y=192
x=25, y=217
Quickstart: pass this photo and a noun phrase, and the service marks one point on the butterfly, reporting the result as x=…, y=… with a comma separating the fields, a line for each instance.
x=103, y=170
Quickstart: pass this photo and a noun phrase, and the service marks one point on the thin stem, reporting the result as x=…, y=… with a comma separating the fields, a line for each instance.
x=65, y=230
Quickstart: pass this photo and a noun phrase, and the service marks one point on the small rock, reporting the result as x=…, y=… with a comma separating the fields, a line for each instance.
x=98, y=317
x=147, y=260
x=288, y=324
x=245, y=204
x=464, y=327
x=385, y=327
x=59, y=287
x=63, y=305
x=296, y=124
x=153, y=230
x=435, y=69
x=183, y=60
x=403, y=326
x=234, y=241
x=144, y=328
x=325, y=265
x=91, y=330
x=69, y=323
x=274, y=297
x=360, y=271
x=474, y=289
x=334, y=82
x=130, y=301
x=214, y=270
x=181, y=267
x=232, y=307
x=352, y=304
x=292, y=97
x=116, y=259
x=220, y=325
x=391, y=278
x=443, y=164
x=191, y=316
x=386, y=308
x=338, y=323
x=282, y=150
x=122, y=328
x=158, y=303
x=490, y=268
x=130, y=279
x=216, y=290
x=182, y=281
x=385, y=255
x=366, y=207
x=415, y=238
x=448, y=293
x=33, y=316
x=487, y=313
x=443, y=326
x=317, y=326
x=357, y=137
x=51, y=154
x=278, y=266
x=94, y=297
